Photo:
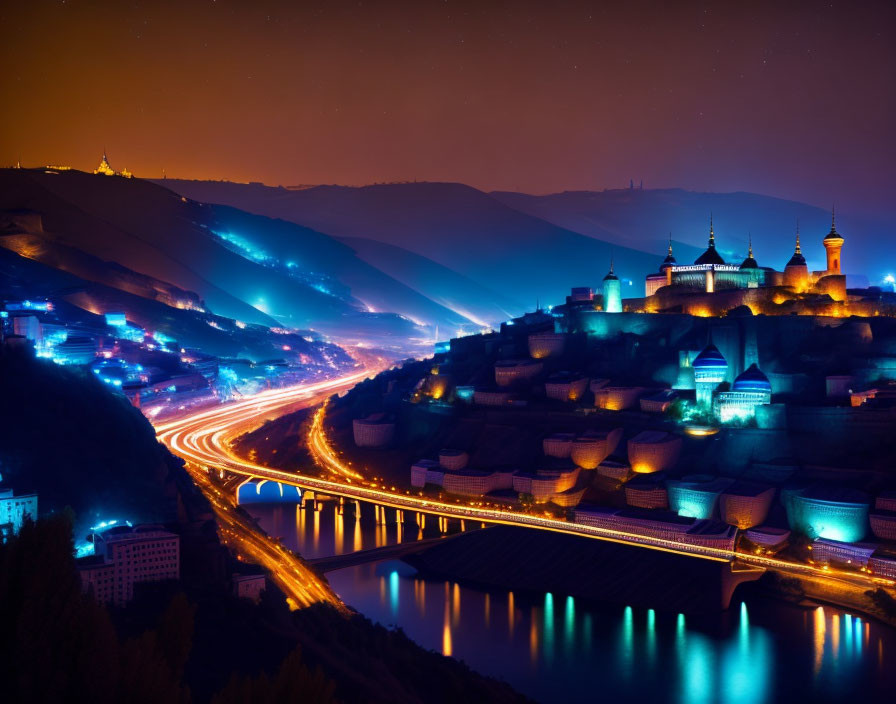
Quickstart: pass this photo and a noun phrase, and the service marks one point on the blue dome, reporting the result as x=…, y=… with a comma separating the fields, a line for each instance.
x=710, y=358
x=752, y=380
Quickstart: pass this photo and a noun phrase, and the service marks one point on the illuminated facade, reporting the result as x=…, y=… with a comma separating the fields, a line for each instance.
x=710, y=369
x=827, y=551
x=546, y=344
x=750, y=389
x=105, y=169
x=513, y=371
x=745, y=505
x=592, y=448
x=821, y=512
x=883, y=524
x=653, y=451
x=617, y=398
x=565, y=386
x=612, y=291
x=127, y=556
x=453, y=460
x=545, y=485
x=696, y=496
x=710, y=274
x=14, y=510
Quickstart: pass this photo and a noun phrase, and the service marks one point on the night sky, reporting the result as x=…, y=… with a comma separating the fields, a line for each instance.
x=792, y=100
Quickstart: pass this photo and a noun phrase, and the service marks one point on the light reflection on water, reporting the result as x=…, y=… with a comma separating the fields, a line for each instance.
x=559, y=649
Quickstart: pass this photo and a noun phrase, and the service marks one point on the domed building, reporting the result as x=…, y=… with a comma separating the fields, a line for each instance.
x=682, y=286
x=708, y=273
x=750, y=389
x=710, y=369
x=749, y=262
x=796, y=273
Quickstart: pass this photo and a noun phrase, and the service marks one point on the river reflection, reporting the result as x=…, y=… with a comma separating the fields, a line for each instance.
x=556, y=648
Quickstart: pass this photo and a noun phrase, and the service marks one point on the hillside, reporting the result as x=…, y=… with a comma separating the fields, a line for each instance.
x=521, y=257
x=243, y=266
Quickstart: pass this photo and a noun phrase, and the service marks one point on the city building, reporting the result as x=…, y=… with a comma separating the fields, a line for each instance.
x=710, y=370
x=592, y=448
x=452, y=460
x=829, y=512
x=558, y=445
x=14, y=510
x=653, y=451
x=616, y=398
x=662, y=525
x=828, y=551
x=745, y=505
x=125, y=556
x=883, y=524
x=647, y=491
x=513, y=371
x=750, y=389
x=696, y=495
x=565, y=386
x=376, y=430
x=546, y=344
x=768, y=538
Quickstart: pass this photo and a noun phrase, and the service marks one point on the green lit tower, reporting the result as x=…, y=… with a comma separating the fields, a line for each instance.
x=612, y=290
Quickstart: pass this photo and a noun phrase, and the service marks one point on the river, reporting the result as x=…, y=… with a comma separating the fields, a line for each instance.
x=556, y=649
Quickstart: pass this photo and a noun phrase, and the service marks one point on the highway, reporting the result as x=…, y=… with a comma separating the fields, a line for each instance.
x=203, y=440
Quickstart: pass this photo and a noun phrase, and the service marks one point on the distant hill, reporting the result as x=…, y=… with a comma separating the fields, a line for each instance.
x=644, y=219
x=243, y=266
x=522, y=258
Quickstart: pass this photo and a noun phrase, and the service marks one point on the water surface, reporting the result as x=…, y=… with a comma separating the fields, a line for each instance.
x=555, y=648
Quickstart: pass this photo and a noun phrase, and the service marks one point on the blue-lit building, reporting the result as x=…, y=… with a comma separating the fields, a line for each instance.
x=710, y=369
x=612, y=292
x=14, y=510
x=829, y=512
x=750, y=389
x=697, y=495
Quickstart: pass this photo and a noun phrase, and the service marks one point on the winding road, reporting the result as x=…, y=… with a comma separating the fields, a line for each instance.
x=203, y=440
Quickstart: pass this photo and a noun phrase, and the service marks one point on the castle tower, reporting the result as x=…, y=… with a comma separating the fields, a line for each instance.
x=833, y=241
x=612, y=290
x=796, y=273
x=710, y=370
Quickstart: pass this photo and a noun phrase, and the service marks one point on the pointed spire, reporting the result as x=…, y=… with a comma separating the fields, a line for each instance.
x=712, y=234
x=670, y=244
x=611, y=265
x=797, y=250
x=750, y=240
x=833, y=221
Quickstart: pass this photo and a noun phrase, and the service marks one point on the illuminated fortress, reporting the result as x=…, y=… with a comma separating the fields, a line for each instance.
x=685, y=286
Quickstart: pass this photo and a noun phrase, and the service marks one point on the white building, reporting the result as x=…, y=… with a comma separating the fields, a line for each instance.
x=14, y=510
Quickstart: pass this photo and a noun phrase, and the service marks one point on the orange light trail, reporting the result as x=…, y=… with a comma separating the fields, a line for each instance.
x=203, y=438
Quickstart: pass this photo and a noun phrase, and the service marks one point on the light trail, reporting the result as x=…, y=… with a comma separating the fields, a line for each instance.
x=203, y=439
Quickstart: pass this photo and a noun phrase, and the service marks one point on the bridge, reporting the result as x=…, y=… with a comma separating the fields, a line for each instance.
x=202, y=439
